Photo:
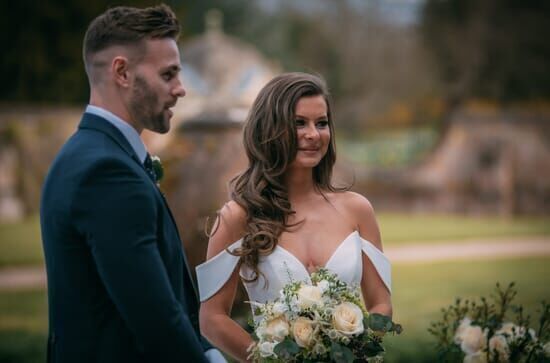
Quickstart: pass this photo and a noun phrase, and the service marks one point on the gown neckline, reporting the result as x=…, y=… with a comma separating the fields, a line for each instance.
x=327, y=264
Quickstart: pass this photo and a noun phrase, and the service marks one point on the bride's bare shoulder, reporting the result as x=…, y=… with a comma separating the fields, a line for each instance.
x=353, y=203
x=361, y=212
x=229, y=227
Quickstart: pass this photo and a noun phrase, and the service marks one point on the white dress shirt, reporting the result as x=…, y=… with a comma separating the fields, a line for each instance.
x=124, y=127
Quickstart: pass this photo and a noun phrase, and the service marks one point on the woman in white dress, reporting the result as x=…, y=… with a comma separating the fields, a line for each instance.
x=286, y=219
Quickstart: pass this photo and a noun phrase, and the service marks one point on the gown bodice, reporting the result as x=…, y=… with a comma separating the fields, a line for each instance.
x=281, y=267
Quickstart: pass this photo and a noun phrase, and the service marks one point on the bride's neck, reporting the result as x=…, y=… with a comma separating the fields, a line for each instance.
x=299, y=183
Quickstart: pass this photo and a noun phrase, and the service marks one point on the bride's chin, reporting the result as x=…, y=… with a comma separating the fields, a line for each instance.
x=305, y=164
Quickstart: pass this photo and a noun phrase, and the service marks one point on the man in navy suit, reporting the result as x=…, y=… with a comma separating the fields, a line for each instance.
x=119, y=287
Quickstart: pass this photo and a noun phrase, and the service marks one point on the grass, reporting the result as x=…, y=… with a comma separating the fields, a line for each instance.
x=399, y=228
x=419, y=293
x=23, y=326
x=20, y=243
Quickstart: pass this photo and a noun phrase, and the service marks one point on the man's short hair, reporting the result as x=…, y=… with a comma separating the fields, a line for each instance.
x=125, y=25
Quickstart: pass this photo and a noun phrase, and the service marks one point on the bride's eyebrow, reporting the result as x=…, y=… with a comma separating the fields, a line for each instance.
x=320, y=118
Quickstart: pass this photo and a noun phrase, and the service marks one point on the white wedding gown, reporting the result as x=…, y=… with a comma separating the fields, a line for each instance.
x=281, y=267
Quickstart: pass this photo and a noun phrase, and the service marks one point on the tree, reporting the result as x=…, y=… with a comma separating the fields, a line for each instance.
x=42, y=43
x=493, y=49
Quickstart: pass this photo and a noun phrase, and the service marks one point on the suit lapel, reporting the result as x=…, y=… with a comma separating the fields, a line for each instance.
x=94, y=122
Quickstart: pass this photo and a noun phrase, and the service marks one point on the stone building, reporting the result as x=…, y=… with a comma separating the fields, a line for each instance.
x=488, y=161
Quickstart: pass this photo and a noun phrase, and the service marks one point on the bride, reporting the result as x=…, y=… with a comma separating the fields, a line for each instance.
x=286, y=219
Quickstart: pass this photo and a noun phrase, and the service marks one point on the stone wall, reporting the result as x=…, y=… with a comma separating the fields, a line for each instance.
x=29, y=140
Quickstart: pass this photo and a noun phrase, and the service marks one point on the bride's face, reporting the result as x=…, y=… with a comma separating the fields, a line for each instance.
x=312, y=131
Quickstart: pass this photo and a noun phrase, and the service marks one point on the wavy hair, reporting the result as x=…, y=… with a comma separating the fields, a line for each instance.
x=271, y=145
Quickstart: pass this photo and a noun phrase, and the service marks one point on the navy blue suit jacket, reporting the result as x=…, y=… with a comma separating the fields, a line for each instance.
x=119, y=287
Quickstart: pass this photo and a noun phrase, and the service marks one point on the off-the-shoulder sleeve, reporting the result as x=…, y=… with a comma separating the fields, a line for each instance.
x=379, y=260
x=214, y=273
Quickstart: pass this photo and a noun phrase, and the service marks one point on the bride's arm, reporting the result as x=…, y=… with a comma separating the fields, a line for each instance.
x=376, y=294
x=215, y=313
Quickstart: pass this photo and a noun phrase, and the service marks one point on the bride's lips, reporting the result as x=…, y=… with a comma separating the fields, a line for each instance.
x=309, y=150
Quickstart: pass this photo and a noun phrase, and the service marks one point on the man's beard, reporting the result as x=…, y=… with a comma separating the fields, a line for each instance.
x=142, y=107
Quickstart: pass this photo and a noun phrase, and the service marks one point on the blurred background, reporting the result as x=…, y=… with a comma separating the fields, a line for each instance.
x=442, y=111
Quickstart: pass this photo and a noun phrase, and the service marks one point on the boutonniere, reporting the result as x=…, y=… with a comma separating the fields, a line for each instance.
x=157, y=168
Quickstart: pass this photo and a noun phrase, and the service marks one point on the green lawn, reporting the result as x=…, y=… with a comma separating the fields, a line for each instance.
x=400, y=228
x=20, y=243
x=419, y=292
x=23, y=326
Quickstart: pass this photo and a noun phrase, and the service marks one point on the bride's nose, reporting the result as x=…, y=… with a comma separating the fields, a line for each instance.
x=311, y=133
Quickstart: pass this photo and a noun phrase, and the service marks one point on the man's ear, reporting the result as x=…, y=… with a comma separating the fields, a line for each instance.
x=120, y=68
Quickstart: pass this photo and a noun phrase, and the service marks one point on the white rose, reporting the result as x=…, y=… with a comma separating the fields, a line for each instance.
x=533, y=334
x=479, y=357
x=464, y=323
x=473, y=340
x=514, y=332
x=499, y=346
x=348, y=319
x=323, y=285
x=266, y=349
x=303, y=332
x=309, y=296
x=276, y=330
x=507, y=328
x=510, y=330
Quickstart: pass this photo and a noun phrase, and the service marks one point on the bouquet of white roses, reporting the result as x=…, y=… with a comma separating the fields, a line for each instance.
x=324, y=321
x=485, y=332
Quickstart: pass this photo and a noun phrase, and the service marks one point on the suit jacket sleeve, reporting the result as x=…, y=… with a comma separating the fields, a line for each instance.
x=115, y=208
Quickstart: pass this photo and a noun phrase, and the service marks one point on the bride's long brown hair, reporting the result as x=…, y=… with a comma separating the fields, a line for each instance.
x=270, y=143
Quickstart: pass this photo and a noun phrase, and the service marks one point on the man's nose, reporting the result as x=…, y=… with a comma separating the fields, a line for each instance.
x=178, y=90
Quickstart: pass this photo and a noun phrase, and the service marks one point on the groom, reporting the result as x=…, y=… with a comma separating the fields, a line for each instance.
x=119, y=287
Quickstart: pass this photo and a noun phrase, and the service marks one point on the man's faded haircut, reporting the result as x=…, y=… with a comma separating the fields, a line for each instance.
x=128, y=26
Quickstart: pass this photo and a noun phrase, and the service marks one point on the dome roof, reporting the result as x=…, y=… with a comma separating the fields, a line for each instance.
x=221, y=74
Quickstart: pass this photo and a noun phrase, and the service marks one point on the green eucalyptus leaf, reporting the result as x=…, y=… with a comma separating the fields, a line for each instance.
x=286, y=349
x=378, y=322
x=341, y=354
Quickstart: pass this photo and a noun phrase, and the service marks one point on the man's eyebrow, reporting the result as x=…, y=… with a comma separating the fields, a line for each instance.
x=174, y=68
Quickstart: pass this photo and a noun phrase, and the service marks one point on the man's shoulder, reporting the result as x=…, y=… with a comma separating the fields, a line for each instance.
x=86, y=145
x=89, y=153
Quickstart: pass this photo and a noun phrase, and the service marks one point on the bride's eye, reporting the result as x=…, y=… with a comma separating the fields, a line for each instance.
x=300, y=123
x=322, y=124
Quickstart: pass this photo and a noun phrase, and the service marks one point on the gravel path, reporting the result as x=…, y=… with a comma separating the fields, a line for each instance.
x=411, y=253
